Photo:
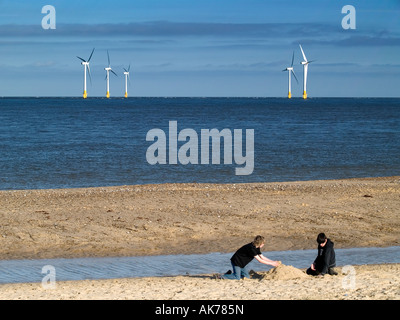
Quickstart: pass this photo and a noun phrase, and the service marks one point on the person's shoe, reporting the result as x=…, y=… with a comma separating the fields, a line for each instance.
x=228, y=272
x=332, y=272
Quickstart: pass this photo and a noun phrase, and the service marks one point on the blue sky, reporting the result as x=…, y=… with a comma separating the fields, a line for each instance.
x=201, y=48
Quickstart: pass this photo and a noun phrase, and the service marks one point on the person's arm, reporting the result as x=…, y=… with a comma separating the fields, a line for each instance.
x=260, y=258
x=314, y=264
x=317, y=259
x=327, y=258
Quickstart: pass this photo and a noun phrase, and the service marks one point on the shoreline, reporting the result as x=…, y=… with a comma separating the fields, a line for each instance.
x=197, y=218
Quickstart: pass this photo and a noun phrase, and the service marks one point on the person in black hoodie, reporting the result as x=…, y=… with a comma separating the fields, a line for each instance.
x=325, y=260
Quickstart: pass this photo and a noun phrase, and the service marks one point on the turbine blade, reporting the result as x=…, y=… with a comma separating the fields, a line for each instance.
x=292, y=59
x=304, y=56
x=295, y=76
x=108, y=56
x=81, y=59
x=91, y=55
x=125, y=70
x=114, y=72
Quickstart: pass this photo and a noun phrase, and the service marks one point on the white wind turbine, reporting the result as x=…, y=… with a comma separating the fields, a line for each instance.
x=305, y=67
x=86, y=66
x=108, y=69
x=126, y=73
x=290, y=71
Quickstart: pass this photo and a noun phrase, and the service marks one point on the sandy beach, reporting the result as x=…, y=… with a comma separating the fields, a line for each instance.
x=370, y=282
x=202, y=218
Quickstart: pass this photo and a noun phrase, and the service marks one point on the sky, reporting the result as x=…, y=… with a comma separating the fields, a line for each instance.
x=207, y=48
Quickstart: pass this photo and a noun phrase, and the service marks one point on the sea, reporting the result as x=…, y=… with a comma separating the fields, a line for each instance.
x=65, y=142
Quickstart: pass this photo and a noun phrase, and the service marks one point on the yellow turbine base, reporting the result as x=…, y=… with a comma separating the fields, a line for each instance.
x=289, y=95
x=126, y=94
x=108, y=94
x=304, y=95
x=84, y=94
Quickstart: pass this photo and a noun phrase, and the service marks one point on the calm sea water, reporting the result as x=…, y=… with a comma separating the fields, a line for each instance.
x=71, y=142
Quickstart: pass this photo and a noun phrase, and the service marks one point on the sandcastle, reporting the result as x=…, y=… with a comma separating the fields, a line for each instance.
x=284, y=272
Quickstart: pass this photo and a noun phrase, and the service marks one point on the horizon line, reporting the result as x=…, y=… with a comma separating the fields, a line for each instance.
x=203, y=97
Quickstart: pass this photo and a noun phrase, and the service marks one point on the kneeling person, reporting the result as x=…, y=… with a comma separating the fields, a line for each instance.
x=325, y=260
x=244, y=256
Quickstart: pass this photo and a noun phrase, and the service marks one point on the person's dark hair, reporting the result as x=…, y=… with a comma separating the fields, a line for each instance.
x=321, y=238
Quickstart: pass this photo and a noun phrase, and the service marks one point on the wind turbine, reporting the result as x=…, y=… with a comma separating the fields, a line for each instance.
x=86, y=66
x=126, y=73
x=290, y=71
x=108, y=69
x=305, y=67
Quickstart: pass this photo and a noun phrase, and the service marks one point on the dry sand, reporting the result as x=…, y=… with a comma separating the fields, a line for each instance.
x=377, y=282
x=197, y=218
x=202, y=218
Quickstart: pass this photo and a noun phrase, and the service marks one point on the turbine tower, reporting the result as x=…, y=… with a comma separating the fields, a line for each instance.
x=126, y=73
x=290, y=71
x=108, y=69
x=86, y=66
x=305, y=64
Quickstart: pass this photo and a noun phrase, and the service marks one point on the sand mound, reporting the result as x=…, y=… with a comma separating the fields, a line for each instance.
x=283, y=272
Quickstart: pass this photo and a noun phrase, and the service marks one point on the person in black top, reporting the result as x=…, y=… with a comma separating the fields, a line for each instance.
x=244, y=256
x=325, y=260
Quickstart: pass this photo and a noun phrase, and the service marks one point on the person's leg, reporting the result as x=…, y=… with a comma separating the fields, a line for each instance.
x=235, y=275
x=244, y=273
